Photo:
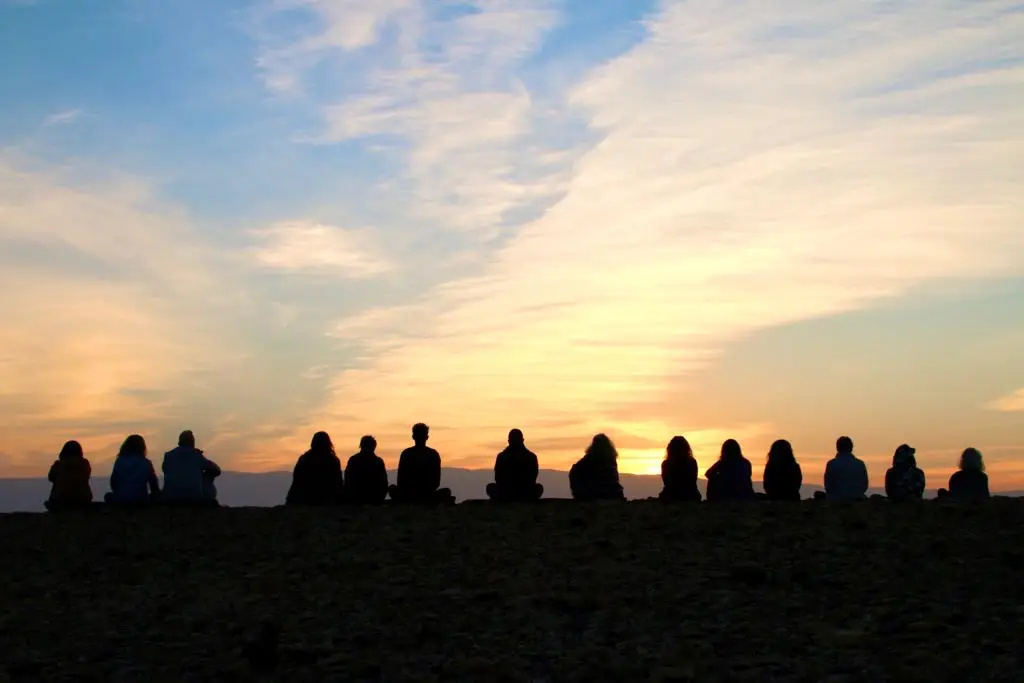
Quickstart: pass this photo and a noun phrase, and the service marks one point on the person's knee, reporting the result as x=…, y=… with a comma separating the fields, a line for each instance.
x=492, y=491
x=538, y=490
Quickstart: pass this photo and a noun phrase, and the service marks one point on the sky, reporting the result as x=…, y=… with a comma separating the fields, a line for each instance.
x=716, y=218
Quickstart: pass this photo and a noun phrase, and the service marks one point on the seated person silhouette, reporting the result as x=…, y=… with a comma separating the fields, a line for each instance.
x=970, y=482
x=515, y=472
x=731, y=478
x=595, y=476
x=366, y=477
x=782, y=475
x=317, y=478
x=419, y=472
x=846, y=475
x=69, y=475
x=133, y=480
x=679, y=472
x=904, y=480
x=189, y=474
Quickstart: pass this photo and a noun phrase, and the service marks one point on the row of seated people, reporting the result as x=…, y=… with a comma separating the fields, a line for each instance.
x=319, y=479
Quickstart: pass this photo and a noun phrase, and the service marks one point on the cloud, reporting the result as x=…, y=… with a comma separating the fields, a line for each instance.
x=753, y=169
x=1011, y=403
x=62, y=118
x=308, y=246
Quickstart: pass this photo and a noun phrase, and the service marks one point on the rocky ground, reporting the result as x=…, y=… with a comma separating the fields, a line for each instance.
x=551, y=592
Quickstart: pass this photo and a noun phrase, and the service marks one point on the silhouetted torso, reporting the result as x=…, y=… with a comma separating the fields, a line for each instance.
x=317, y=480
x=904, y=482
x=366, y=479
x=515, y=475
x=594, y=480
x=782, y=480
x=846, y=478
x=679, y=480
x=187, y=476
x=70, y=478
x=969, y=485
x=133, y=480
x=730, y=480
x=419, y=475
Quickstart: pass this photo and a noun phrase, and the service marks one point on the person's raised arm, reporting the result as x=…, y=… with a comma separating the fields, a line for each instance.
x=154, y=482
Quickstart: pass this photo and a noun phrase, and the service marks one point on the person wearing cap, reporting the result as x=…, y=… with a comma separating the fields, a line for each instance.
x=904, y=480
x=846, y=475
x=188, y=473
x=366, y=477
x=515, y=472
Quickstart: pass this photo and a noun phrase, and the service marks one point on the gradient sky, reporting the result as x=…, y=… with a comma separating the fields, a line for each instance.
x=718, y=218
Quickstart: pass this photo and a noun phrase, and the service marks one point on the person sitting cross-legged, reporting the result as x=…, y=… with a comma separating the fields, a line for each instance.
x=904, y=480
x=515, y=472
x=595, y=476
x=69, y=475
x=366, y=477
x=189, y=474
x=133, y=480
x=679, y=472
x=419, y=472
x=317, y=478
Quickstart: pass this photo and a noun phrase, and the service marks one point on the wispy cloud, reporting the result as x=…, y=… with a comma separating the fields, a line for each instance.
x=62, y=118
x=1011, y=403
x=318, y=248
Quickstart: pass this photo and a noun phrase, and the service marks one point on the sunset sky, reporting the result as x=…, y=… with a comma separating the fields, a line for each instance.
x=716, y=218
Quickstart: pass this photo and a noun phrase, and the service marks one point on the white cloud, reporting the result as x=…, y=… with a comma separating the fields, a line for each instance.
x=1011, y=403
x=307, y=246
x=61, y=118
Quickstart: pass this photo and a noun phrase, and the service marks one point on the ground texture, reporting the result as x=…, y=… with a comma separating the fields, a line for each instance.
x=551, y=592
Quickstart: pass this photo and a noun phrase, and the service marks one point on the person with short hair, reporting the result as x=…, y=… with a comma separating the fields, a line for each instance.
x=70, y=475
x=189, y=474
x=846, y=475
x=366, y=477
x=419, y=472
x=515, y=472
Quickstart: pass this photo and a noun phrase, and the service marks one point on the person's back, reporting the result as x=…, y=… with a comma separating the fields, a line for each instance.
x=846, y=475
x=782, y=474
x=515, y=472
x=317, y=478
x=595, y=476
x=366, y=477
x=133, y=479
x=970, y=482
x=188, y=473
x=731, y=478
x=679, y=473
x=904, y=480
x=419, y=472
x=70, y=475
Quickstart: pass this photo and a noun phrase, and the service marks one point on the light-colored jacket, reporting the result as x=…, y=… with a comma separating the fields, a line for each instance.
x=846, y=478
x=188, y=476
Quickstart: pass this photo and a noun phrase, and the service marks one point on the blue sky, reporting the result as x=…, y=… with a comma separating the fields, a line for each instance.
x=258, y=219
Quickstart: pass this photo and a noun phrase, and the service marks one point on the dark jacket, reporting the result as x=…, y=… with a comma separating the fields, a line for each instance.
x=591, y=479
x=419, y=472
x=516, y=469
x=70, y=479
x=366, y=479
x=679, y=480
x=133, y=479
x=317, y=480
x=782, y=480
x=730, y=480
x=969, y=485
x=904, y=482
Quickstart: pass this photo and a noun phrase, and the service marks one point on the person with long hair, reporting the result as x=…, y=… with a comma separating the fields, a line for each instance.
x=515, y=472
x=595, y=476
x=782, y=474
x=317, y=478
x=133, y=480
x=366, y=477
x=969, y=482
x=679, y=472
x=419, y=472
x=904, y=480
x=731, y=478
x=69, y=475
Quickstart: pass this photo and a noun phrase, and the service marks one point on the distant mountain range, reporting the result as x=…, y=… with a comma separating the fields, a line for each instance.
x=267, y=489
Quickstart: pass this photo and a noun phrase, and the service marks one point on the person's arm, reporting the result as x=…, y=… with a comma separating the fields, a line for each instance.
x=210, y=468
x=985, y=486
x=863, y=478
x=435, y=471
x=799, y=479
x=339, y=479
x=114, y=478
x=154, y=483
x=534, y=467
x=829, y=478
x=382, y=479
x=52, y=476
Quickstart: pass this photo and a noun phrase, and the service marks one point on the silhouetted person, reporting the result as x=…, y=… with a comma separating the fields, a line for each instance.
x=366, y=477
x=133, y=480
x=679, y=472
x=904, y=480
x=419, y=472
x=595, y=476
x=731, y=478
x=970, y=482
x=317, y=478
x=515, y=472
x=69, y=475
x=782, y=475
x=189, y=474
x=846, y=476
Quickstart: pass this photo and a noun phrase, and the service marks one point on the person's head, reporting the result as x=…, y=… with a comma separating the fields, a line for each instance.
x=367, y=444
x=678, y=449
x=133, y=445
x=731, y=450
x=601, y=448
x=420, y=433
x=72, y=449
x=321, y=443
x=971, y=460
x=904, y=457
x=844, y=444
x=187, y=439
x=781, y=452
x=516, y=438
